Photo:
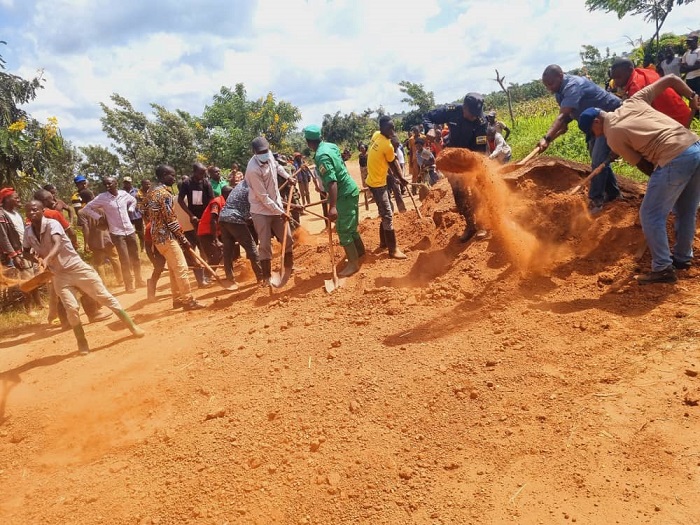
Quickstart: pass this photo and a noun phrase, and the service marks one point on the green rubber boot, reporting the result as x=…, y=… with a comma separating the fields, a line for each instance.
x=353, y=261
x=136, y=330
x=83, y=347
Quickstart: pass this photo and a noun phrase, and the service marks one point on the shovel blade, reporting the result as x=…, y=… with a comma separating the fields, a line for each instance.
x=329, y=285
x=279, y=279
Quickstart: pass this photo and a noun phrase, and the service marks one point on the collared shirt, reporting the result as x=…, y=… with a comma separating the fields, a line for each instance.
x=469, y=134
x=691, y=57
x=579, y=93
x=380, y=155
x=135, y=214
x=237, y=207
x=501, y=149
x=17, y=221
x=264, y=195
x=331, y=168
x=671, y=67
x=116, y=209
x=668, y=102
x=159, y=206
x=66, y=258
x=637, y=131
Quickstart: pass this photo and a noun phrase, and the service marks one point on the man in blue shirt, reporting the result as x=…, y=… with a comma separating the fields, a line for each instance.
x=574, y=95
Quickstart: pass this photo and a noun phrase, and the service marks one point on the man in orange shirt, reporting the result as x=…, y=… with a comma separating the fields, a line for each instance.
x=208, y=230
x=631, y=80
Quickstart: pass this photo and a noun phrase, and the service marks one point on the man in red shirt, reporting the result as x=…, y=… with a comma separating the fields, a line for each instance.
x=208, y=230
x=631, y=80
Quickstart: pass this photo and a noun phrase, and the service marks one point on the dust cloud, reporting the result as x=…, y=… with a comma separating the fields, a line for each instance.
x=532, y=227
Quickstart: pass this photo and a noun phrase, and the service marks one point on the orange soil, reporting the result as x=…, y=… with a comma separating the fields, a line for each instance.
x=523, y=379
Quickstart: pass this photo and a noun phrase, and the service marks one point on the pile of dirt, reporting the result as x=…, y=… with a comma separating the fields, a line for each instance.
x=520, y=379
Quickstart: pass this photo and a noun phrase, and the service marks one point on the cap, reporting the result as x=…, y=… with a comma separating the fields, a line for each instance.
x=312, y=132
x=259, y=144
x=6, y=192
x=585, y=119
x=474, y=103
x=127, y=179
x=491, y=114
x=691, y=36
x=79, y=178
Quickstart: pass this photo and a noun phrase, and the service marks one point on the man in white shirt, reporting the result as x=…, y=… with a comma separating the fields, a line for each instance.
x=690, y=63
x=266, y=206
x=116, y=205
x=46, y=243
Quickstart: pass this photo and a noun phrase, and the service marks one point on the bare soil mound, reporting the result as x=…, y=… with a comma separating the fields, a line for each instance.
x=521, y=379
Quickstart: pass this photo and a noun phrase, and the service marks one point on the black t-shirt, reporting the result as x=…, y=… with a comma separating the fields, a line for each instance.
x=198, y=194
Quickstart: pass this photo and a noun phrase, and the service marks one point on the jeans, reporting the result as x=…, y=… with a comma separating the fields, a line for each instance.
x=177, y=269
x=675, y=186
x=128, y=250
x=240, y=233
x=603, y=187
x=395, y=189
x=264, y=226
x=381, y=197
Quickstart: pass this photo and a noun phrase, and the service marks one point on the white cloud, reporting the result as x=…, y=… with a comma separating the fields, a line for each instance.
x=322, y=55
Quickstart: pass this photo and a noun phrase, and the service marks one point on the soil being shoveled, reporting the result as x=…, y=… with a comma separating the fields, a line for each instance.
x=521, y=379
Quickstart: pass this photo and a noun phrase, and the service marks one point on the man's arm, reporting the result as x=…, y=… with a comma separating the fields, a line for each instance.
x=259, y=192
x=332, y=200
x=685, y=68
x=56, y=240
x=507, y=130
x=131, y=202
x=181, y=200
x=92, y=207
x=443, y=114
x=674, y=82
x=558, y=127
x=214, y=218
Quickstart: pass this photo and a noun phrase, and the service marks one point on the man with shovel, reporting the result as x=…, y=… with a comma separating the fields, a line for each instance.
x=670, y=154
x=343, y=197
x=266, y=208
x=575, y=94
x=45, y=238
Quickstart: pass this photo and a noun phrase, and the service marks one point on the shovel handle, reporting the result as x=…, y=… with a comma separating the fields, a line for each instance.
x=315, y=203
x=585, y=181
x=410, y=194
x=529, y=157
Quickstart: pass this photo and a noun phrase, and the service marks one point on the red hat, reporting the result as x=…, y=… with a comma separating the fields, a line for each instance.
x=6, y=192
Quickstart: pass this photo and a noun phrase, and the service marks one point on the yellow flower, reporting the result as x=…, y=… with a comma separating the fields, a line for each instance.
x=17, y=126
x=53, y=121
x=202, y=158
x=198, y=126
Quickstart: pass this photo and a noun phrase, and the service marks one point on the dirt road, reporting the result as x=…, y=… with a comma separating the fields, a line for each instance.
x=494, y=382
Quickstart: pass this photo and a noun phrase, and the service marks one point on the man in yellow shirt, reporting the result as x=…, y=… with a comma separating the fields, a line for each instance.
x=380, y=160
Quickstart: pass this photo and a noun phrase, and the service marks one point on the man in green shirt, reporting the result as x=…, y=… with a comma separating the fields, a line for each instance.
x=343, y=196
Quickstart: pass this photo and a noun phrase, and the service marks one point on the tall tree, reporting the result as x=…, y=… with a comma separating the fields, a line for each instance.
x=417, y=96
x=652, y=10
x=99, y=162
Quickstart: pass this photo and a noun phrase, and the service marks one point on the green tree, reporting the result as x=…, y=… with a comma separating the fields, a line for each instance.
x=98, y=162
x=349, y=129
x=652, y=10
x=594, y=64
x=175, y=139
x=417, y=96
x=131, y=136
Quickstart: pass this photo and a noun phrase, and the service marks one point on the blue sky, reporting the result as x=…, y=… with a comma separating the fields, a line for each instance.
x=321, y=55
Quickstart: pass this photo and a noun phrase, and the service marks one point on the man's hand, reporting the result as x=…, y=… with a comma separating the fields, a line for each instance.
x=216, y=243
x=184, y=243
x=44, y=263
x=543, y=144
x=695, y=102
x=403, y=181
x=18, y=262
x=333, y=214
x=194, y=220
x=299, y=207
x=292, y=180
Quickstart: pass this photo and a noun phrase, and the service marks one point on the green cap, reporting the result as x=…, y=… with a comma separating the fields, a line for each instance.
x=312, y=132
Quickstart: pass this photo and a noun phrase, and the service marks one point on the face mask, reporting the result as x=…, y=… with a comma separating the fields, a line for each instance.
x=263, y=157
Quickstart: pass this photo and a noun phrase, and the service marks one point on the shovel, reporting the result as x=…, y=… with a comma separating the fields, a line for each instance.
x=35, y=282
x=520, y=164
x=577, y=188
x=336, y=282
x=209, y=269
x=279, y=279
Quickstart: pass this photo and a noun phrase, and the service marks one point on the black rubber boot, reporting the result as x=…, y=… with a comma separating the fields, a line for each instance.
x=135, y=329
x=353, y=261
x=394, y=251
x=83, y=347
x=360, y=246
x=289, y=260
x=151, y=289
x=382, y=237
x=266, y=266
x=257, y=269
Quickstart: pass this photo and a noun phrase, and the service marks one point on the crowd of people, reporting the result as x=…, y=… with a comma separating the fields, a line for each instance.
x=645, y=121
